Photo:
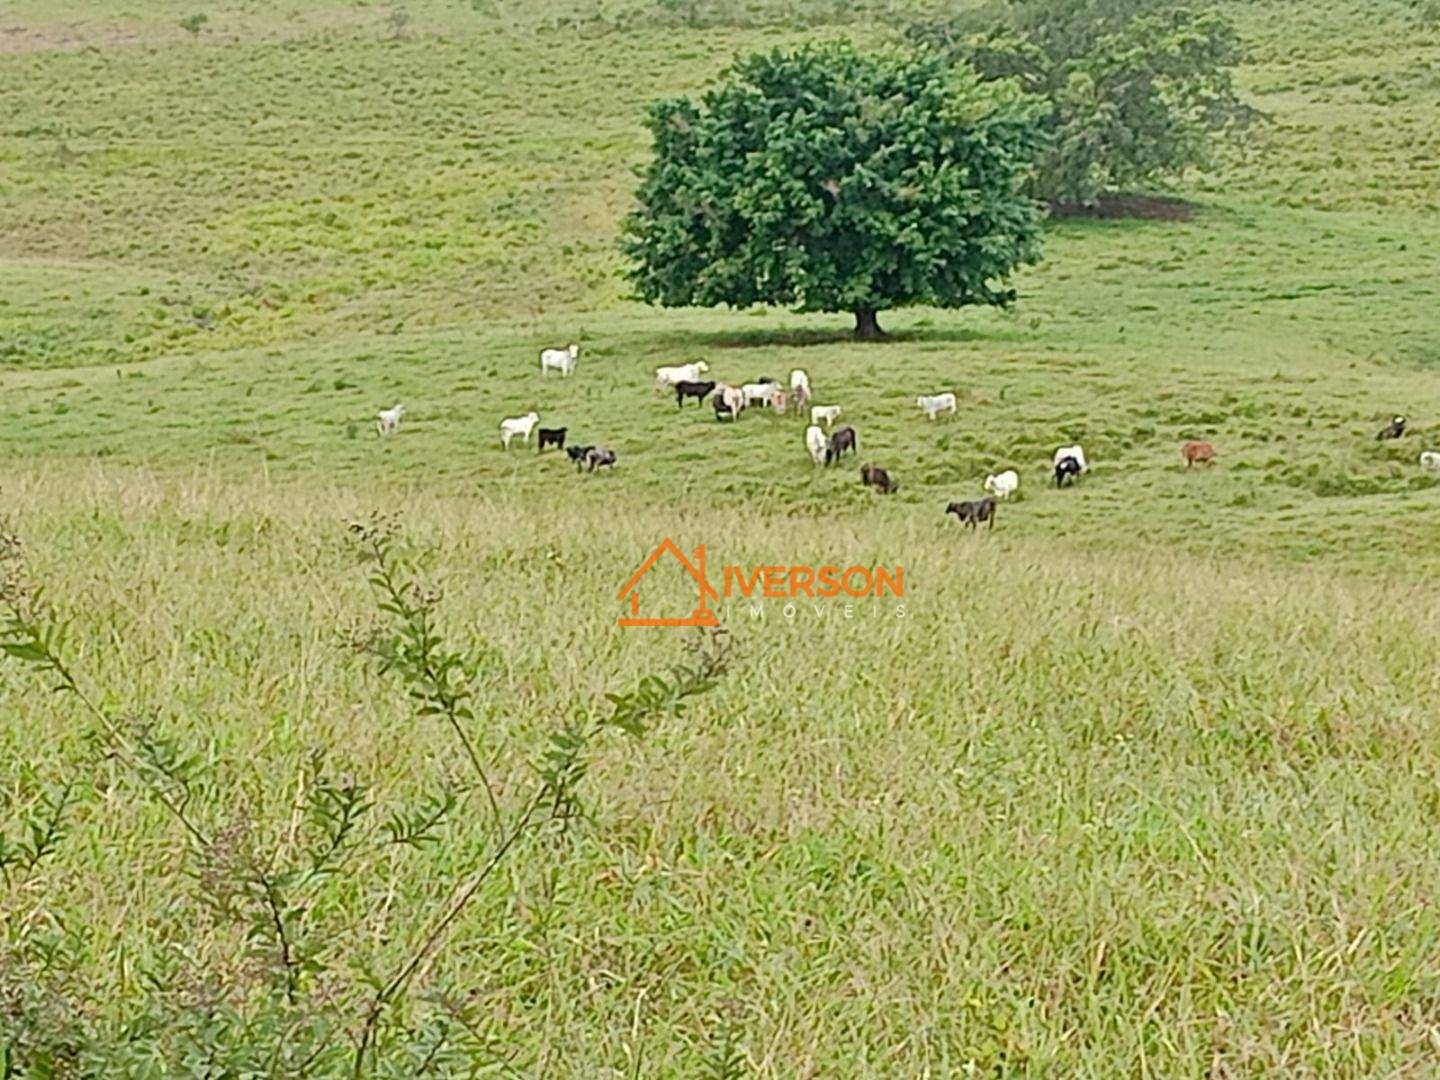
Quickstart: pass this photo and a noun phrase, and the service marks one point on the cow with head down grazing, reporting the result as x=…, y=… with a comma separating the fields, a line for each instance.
x=815, y=444
x=1194, y=451
x=842, y=440
x=876, y=477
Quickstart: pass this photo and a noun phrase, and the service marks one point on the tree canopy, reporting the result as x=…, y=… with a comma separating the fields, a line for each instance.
x=827, y=179
x=1137, y=88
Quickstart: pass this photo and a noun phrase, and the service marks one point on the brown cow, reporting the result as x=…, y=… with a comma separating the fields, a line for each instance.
x=873, y=475
x=1194, y=451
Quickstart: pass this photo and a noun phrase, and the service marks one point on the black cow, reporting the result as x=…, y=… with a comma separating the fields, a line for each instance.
x=578, y=455
x=551, y=437
x=697, y=390
x=974, y=512
x=842, y=440
x=1393, y=430
x=1066, y=470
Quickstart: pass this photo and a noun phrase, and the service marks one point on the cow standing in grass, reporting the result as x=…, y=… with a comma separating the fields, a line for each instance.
x=975, y=512
x=1194, y=451
x=687, y=388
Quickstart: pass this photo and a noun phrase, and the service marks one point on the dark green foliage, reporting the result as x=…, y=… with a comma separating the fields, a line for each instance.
x=1137, y=88
x=831, y=180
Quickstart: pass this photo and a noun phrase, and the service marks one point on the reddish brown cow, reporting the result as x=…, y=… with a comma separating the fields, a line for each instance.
x=1197, y=451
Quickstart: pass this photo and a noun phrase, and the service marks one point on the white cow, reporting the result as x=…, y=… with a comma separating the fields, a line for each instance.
x=517, y=425
x=733, y=398
x=561, y=360
x=815, y=442
x=389, y=421
x=933, y=405
x=759, y=392
x=827, y=413
x=1430, y=461
x=1076, y=451
x=798, y=378
x=669, y=376
x=1003, y=485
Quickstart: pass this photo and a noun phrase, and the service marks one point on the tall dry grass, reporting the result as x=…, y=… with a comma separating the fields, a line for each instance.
x=1070, y=812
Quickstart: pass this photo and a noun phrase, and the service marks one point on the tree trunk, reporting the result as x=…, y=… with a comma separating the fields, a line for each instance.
x=867, y=326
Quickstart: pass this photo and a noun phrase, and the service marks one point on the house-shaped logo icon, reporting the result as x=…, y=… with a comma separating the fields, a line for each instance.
x=701, y=616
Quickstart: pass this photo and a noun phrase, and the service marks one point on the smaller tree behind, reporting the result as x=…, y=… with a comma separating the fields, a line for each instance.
x=1137, y=88
x=831, y=180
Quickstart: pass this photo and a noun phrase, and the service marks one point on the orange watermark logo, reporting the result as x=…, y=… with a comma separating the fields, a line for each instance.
x=701, y=616
x=771, y=582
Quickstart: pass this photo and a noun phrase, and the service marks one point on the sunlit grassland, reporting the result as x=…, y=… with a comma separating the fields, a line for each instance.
x=308, y=182
x=1269, y=350
x=1144, y=782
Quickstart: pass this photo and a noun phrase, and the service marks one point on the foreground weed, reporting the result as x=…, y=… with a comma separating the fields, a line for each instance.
x=302, y=992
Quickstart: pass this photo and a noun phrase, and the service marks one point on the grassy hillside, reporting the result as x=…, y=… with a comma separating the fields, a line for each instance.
x=1143, y=782
x=1068, y=814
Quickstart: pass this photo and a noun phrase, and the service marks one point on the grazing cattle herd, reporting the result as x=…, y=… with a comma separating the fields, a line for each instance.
x=685, y=380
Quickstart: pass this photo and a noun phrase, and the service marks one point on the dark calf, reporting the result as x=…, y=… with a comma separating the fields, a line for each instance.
x=697, y=390
x=600, y=456
x=578, y=455
x=551, y=437
x=974, y=512
x=722, y=411
x=874, y=476
x=1393, y=430
x=1066, y=470
x=842, y=440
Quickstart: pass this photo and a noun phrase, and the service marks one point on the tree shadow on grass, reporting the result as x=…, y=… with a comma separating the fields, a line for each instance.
x=1126, y=206
x=771, y=337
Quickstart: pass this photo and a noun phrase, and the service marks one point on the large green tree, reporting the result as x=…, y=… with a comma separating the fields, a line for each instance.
x=1137, y=88
x=827, y=179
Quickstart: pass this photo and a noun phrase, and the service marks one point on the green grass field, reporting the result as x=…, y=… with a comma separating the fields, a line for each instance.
x=1143, y=783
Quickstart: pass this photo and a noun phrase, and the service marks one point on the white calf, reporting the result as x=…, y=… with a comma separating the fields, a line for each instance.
x=759, y=392
x=1430, y=461
x=827, y=413
x=1003, y=485
x=561, y=360
x=517, y=425
x=798, y=378
x=389, y=421
x=933, y=405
